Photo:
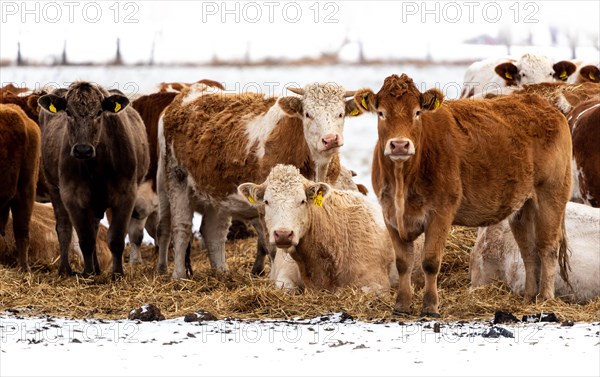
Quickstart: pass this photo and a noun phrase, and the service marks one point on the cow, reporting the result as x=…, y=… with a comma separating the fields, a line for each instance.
x=495, y=256
x=28, y=103
x=177, y=87
x=212, y=142
x=584, y=120
x=19, y=164
x=471, y=163
x=94, y=156
x=585, y=72
x=490, y=75
x=44, y=249
x=284, y=270
x=335, y=236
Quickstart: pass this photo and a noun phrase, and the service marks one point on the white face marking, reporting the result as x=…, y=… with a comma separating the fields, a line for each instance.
x=286, y=206
x=196, y=90
x=259, y=129
x=324, y=111
x=535, y=69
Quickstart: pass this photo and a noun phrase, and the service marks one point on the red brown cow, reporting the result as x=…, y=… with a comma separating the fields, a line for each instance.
x=19, y=164
x=584, y=120
x=94, y=156
x=471, y=163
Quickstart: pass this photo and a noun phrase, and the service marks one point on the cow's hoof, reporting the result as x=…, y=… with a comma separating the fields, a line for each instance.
x=258, y=272
x=401, y=312
x=161, y=270
x=117, y=276
x=430, y=315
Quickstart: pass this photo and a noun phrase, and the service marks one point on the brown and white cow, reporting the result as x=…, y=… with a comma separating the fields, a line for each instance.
x=94, y=156
x=491, y=75
x=44, y=249
x=471, y=163
x=586, y=72
x=335, y=236
x=212, y=142
x=495, y=256
x=19, y=164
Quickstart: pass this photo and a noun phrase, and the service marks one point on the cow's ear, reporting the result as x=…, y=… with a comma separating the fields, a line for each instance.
x=292, y=106
x=432, y=99
x=590, y=73
x=364, y=99
x=253, y=193
x=352, y=108
x=508, y=71
x=52, y=103
x=32, y=103
x=316, y=193
x=115, y=103
x=563, y=69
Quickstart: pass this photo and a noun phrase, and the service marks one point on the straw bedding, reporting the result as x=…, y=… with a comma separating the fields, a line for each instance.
x=237, y=294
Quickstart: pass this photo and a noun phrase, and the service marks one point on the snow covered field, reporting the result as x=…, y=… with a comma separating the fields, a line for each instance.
x=63, y=347
x=320, y=346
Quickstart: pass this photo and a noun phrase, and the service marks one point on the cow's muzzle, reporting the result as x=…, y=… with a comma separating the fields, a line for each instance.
x=331, y=141
x=400, y=149
x=83, y=151
x=283, y=237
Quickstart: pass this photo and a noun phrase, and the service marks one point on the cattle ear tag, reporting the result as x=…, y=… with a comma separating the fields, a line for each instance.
x=354, y=112
x=508, y=75
x=117, y=107
x=592, y=76
x=563, y=76
x=52, y=108
x=251, y=200
x=364, y=102
x=436, y=104
x=318, y=199
x=38, y=108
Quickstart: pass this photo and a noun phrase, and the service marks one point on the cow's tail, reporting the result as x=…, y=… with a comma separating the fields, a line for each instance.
x=564, y=255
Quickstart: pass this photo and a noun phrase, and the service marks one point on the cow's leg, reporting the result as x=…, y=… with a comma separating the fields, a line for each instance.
x=523, y=229
x=86, y=226
x=136, y=235
x=404, y=263
x=215, y=223
x=548, y=234
x=64, y=231
x=262, y=249
x=182, y=213
x=163, y=227
x=4, y=211
x=21, y=209
x=431, y=260
x=117, y=231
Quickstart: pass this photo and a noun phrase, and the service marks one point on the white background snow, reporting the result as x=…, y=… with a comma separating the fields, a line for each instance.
x=63, y=347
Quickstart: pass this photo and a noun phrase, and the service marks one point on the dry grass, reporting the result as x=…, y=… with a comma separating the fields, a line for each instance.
x=240, y=295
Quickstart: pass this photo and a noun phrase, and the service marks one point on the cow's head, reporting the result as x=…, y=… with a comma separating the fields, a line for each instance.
x=86, y=107
x=533, y=69
x=399, y=106
x=322, y=108
x=589, y=73
x=288, y=199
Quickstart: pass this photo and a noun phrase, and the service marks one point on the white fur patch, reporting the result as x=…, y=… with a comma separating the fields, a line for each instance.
x=563, y=105
x=196, y=90
x=259, y=128
x=575, y=191
x=583, y=112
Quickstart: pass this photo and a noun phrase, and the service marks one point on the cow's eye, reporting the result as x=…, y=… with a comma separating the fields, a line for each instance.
x=340, y=115
x=418, y=113
x=380, y=114
x=308, y=116
x=266, y=202
x=523, y=75
x=303, y=201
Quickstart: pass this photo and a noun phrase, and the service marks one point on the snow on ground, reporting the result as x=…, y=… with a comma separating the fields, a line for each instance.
x=327, y=345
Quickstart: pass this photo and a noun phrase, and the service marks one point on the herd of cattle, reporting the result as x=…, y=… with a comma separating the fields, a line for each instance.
x=507, y=157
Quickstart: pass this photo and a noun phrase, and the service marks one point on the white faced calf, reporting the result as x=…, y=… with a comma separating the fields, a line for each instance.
x=334, y=236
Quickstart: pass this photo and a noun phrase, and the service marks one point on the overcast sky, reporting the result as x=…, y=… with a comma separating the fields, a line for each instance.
x=197, y=31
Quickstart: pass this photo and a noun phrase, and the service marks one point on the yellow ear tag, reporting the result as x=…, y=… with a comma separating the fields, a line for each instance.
x=251, y=200
x=364, y=102
x=354, y=112
x=508, y=75
x=52, y=108
x=37, y=109
x=436, y=104
x=117, y=107
x=563, y=76
x=318, y=199
x=592, y=76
